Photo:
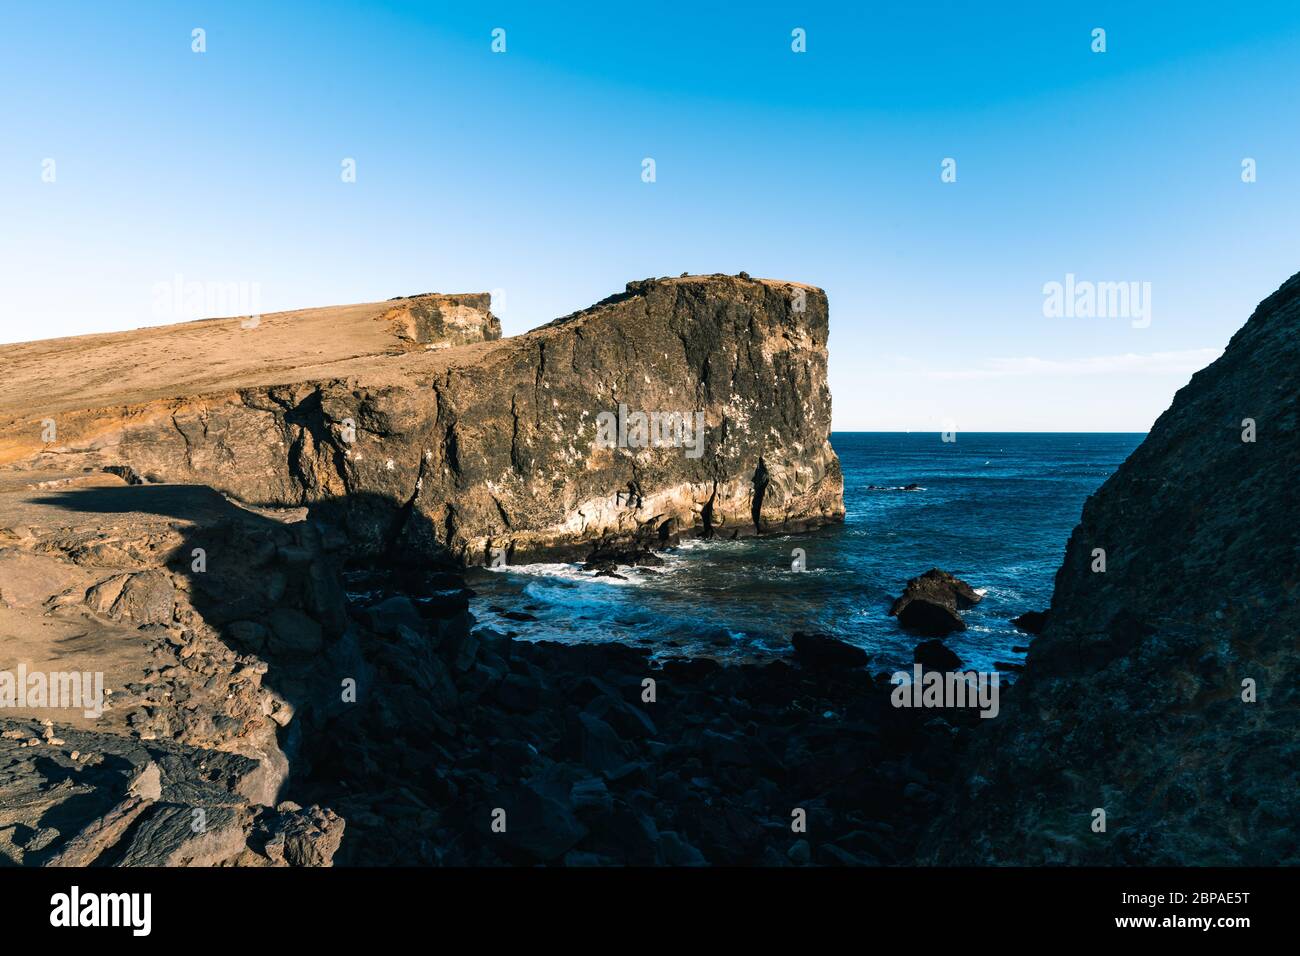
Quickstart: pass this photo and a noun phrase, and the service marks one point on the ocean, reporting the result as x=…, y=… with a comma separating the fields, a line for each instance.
x=996, y=509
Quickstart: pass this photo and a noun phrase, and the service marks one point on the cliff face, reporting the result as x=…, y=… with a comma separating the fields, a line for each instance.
x=391, y=421
x=1132, y=699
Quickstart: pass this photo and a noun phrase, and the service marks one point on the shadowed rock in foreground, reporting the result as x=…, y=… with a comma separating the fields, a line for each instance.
x=411, y=438
x=174, y=623
x=1132, y=699
x=262, y=713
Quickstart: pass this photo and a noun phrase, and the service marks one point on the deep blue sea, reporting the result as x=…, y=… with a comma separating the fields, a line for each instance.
x=995, y=509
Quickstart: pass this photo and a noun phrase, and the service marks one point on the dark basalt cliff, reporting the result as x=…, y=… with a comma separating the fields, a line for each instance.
x=1132, y=699
x=384, y=418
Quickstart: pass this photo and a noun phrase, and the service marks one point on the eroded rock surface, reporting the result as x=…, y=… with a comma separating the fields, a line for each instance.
x=169, y=751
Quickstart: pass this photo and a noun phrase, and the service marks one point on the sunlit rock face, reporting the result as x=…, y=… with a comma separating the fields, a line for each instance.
x=688, y=405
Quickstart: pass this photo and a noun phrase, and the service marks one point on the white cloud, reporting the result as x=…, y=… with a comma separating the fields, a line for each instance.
x=1183, y=362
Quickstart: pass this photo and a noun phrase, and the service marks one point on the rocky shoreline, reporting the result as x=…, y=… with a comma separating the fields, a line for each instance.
x=291, y=673
x=304, y=726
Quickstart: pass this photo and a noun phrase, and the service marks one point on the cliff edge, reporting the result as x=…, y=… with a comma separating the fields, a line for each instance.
x=695, y=404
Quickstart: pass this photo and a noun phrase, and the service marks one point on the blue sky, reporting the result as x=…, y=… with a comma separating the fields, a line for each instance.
x=521, y=172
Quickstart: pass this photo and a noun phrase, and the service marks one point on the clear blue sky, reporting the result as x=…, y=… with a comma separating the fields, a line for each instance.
x=522, y=172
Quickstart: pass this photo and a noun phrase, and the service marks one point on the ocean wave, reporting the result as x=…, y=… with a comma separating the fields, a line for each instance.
x=628, y=576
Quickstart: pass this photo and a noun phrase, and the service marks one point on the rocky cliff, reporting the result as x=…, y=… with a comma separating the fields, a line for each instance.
x=214, y=523
x=696, y=404
x=1165, y=691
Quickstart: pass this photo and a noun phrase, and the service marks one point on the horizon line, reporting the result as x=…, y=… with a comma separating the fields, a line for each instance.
x=1032, y=431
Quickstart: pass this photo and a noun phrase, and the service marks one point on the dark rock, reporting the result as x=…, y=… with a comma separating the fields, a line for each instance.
x=923, y=616
x=1139, y=687
x=724, y=749
x=538, y=822
x=930, y=603
x=519, y=693
x=387, y=616
x=601, y=749
x=674, y=851
x=249, y=633
x=628, y=720
x=293, y=632
x=822, y=652
x=518, y=616
x=691, y=670
x=607, y=557
x=936, y=656
x=591, y=795
x=828, y=854
x=1032, y=622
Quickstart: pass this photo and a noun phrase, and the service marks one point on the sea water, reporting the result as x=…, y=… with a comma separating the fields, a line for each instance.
x=994, y=509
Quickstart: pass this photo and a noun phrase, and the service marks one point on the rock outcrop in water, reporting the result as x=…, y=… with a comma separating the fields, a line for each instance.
x=931, y=603
x=1165, y=689
x=696, y=404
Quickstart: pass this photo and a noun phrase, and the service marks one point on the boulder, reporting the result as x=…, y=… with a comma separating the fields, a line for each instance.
x=601, y=749
x=293, y=632
x=308, y=837
x=388, y=615
x=822, y=652
x=1032, y=622
x=181, y=835
x=930, y=603
x=146, y=597
x=539, y=821
x=935, y=656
